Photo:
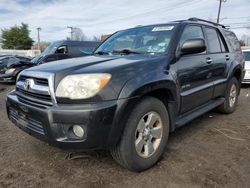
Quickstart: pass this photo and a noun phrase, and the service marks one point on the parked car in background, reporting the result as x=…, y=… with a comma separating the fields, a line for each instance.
x=66, y=49
x=138, y=86
x=10, y=66
x=246, y=79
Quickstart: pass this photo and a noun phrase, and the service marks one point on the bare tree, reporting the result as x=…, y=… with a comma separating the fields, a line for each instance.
x=96, y=38
x=79, y=35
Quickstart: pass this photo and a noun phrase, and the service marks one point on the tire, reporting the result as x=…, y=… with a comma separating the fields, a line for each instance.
x=229, y=106
x=143, y=157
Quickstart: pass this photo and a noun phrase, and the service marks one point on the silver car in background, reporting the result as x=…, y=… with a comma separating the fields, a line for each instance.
x=246, y=79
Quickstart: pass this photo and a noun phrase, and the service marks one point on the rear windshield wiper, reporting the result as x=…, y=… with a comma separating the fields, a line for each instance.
x=125, y=51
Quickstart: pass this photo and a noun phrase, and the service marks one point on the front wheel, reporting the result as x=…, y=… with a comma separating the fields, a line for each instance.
x=145, y=136
x=231, y=97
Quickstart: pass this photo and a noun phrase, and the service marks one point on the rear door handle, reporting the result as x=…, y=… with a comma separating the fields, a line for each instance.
x=227, y=57
x=209, y=60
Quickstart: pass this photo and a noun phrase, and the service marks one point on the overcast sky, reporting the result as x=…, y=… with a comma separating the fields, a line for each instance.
x=97, y=17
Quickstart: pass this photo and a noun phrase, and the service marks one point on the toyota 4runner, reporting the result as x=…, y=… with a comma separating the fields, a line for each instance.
x=137, y=87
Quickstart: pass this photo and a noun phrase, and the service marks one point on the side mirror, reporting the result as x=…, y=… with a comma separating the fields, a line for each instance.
x=193, y=46
x=47, y=58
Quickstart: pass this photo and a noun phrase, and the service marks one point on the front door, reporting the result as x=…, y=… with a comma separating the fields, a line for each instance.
x=194, y=73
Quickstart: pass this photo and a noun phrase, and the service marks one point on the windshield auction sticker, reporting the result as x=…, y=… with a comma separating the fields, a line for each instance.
x=163, y=28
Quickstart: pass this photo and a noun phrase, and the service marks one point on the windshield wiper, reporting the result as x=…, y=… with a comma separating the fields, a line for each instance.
x=125, y=51
x=102, y=53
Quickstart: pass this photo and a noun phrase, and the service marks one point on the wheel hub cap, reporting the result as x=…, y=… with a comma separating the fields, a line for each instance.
x=232, y=95
x=148, y=134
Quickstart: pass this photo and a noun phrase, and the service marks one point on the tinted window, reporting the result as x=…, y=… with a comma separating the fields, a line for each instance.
x=232, y=40
x=247, y=56
x=212, y=40
x=191, y=32
x=62, y=50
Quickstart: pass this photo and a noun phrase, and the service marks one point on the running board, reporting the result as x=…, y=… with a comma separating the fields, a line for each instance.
x=189, y=116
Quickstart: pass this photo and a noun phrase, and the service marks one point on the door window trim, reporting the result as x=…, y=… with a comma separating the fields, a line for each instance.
x=218, y=35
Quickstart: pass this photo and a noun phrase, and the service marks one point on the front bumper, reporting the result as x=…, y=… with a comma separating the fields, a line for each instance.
x=246, y=79
x=54, y=124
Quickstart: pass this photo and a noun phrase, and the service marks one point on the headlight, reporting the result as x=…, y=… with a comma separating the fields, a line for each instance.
x=82, y=86
x=9, y=71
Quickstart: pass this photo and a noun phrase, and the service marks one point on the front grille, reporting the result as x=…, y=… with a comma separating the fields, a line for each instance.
x=28, y=122
x=40, y=81
x=35, y=95
x=34, y=90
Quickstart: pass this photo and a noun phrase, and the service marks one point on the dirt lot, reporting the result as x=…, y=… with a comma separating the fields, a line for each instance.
x=212, y=151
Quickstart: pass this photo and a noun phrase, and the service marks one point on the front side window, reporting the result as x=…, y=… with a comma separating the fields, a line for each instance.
x=191, y=32
x=62, y=50
x=212, y=40
x=150, y=39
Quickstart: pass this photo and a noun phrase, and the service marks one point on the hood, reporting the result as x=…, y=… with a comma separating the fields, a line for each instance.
x=91, y=64
x=14, y=64
x=121, y=66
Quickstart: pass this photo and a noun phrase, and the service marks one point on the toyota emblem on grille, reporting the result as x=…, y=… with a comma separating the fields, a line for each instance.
x=28, y=83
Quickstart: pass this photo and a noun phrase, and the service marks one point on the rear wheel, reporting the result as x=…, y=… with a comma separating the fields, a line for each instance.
x=231, y=97
x=145, y=136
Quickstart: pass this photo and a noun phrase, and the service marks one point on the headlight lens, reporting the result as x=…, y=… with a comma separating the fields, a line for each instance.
x=82, y=86
x=9, y=71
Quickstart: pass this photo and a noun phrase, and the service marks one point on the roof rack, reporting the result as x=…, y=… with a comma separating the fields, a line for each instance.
x=198, y=19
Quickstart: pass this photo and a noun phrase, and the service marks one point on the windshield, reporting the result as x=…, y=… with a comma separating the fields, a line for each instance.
x=150, y=39
x=247, y=56
x=49, y=50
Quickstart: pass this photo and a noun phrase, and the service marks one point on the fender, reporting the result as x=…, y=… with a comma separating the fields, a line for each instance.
x=132, y=92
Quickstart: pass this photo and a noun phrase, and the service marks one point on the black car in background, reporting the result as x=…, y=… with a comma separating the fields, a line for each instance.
x=66, y=49
x=11, y=65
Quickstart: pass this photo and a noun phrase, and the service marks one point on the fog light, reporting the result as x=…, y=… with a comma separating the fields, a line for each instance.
x=78, y=131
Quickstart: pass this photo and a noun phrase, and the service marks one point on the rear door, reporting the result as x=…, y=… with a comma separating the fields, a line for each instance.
x=193, y=73
x=219, y=57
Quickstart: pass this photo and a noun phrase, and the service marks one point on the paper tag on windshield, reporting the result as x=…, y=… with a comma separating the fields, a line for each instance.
x=163, y=28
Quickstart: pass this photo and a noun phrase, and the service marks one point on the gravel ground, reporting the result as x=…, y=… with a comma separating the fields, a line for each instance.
x=211, y=151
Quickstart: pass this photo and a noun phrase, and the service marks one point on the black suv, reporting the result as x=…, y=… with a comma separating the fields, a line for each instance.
x=138, y=86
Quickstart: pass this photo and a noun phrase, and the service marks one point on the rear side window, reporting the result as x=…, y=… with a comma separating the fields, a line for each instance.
x=212, y=40
x=191, y=32
x=232, y=40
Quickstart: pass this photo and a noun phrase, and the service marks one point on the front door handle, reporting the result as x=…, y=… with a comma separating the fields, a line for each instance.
x=209, y=60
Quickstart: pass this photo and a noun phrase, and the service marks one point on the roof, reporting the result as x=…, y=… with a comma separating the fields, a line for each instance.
x=76, y=43
x=190, y=20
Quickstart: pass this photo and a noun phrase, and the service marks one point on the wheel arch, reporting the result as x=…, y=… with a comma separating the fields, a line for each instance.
x=161, y=91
